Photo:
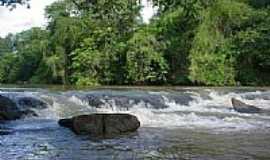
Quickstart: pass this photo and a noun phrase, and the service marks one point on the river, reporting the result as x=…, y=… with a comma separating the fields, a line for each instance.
x=176, y=123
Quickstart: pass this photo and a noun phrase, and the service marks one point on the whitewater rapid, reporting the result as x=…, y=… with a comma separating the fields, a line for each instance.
x=203, y=109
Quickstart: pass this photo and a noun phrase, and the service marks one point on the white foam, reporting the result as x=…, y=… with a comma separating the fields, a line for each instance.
x=214, y=112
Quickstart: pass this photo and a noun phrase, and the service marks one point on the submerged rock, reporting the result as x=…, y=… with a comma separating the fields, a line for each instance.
x=242, y=107
x=102, y=125
x=28, y=112
x=30, y=102
x=124, y=102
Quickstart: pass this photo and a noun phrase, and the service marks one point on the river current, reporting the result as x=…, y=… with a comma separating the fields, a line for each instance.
x=176, y=123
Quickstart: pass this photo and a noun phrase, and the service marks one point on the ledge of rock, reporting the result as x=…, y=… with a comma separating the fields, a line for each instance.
x=242, y=107
x=102, y=125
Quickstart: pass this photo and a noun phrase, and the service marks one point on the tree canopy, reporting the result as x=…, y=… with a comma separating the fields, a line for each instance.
x=187, y=42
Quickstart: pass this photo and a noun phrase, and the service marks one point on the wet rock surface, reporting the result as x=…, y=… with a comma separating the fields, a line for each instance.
x=9, y=109
x=242, y=107
x=13, y=109
x=30, y=102
x=155, y=101
x=125, y=102
x=102, y=125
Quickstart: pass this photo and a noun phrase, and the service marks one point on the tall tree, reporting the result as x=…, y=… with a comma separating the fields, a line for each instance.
x=25, y=56
x=66, y=30
x=111, y=25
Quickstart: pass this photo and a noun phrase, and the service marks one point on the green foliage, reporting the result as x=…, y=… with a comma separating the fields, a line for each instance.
x=6, y=45
x=212, y=58
x=260, y=3
x=253, y=52
x=66, y=31
x=176, y=31
x=208, y=42
x=145, y=62
x=29, y=47
x=103, y=52
x=6, y=67
x=88, y=63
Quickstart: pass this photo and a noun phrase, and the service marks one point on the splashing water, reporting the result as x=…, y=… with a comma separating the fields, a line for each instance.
x=163, y=109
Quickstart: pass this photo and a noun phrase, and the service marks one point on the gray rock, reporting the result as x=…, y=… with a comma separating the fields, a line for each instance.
x=66, y=123
x=116, y=124
x=30, y=102
x=102, y=125
x=242, y=107
x=8, y=109
x=125, y=102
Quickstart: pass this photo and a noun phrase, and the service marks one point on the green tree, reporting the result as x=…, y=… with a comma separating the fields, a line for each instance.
x=253, y=50
x=111, y=24
x=145, y=61
x=30, y=45
x=212, y=57
x=6, y=45
x=7, y=62
x=66, y=31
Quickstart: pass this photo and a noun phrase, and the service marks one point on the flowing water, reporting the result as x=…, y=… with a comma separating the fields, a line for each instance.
x=176, y=123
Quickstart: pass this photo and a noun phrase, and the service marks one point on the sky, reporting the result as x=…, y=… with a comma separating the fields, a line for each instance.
x=22, y=18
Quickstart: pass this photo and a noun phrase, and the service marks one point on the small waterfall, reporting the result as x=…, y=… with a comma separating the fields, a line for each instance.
x=189, y=108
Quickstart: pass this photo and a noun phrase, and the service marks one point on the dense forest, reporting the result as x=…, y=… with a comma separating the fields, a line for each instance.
x=105, y=42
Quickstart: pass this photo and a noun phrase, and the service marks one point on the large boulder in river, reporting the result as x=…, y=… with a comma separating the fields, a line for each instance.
x=244, y=108
x=8, y=109
x=102, y=125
